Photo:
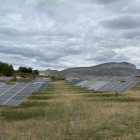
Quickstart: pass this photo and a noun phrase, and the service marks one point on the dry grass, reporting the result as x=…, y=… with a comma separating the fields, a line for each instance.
x=27, y=121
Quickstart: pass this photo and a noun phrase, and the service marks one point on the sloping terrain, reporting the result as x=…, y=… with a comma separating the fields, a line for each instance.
x=113, y=69
x=61, y=100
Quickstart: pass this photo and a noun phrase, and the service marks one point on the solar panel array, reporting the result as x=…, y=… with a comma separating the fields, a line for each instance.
x=13, y=95
x=107, y=78
x=113, y=86
x=81, y=83
x=4, y=78
x=75, y=81
x=42, y=87
x=98, y=85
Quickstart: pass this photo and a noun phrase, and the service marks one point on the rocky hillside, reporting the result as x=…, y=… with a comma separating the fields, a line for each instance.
x=114, y=69
x=115, y=65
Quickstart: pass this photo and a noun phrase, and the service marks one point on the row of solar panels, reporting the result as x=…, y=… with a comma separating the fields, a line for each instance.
x=4, y=78
x=108, y=78
x=116, y=86
x=13, y=95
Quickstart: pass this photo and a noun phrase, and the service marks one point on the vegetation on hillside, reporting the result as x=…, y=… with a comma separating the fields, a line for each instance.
x=61, y=100
x=27, y=70
x=58, y=77
x=6, y=69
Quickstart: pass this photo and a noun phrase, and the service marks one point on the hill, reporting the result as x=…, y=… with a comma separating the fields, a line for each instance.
x=113, y=69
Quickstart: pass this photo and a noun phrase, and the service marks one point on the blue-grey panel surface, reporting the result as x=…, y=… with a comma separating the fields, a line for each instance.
x=6, y=97
x=2, y=101
x=18, y=97
x=10, y=92
x=13, y=102
x=23, y=93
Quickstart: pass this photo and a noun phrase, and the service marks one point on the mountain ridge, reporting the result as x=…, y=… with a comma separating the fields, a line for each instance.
x=112, y=68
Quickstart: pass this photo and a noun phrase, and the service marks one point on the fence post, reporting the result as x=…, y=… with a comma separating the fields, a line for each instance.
x=105, y=113
x=45, y=125
x=78, y=119
x=124, y=111
x=0, y=136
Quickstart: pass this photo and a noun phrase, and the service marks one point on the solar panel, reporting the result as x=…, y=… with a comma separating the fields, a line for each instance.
x=6, y=96
x=78, y=84
x=98, y=85
x=15, y=94
x=128, y=86
x=90, y=83
x=122, y=84
x=27, y=93
x=2, y=101
x=1, y=84
x=6, y=86
x=82, y=84
x=42, y=87
x=16, y=88
x=3, y=89
x=103, y=87
x=4, y=78
x=114, y=86
x=101, y=84
x=110, y=85
x=19, y=97
x=87, y=83
x=9, y=92
x=13, y=102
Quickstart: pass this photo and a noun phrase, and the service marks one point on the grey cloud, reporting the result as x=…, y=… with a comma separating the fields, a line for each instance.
x=131, y=34
x=102, y=56
x=59, y=34
x=104, y=1
x=122, y=22
x=47, y=55
x=108, y=56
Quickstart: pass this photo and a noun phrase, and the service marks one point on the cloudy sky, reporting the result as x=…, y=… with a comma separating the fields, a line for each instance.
x=59, y=34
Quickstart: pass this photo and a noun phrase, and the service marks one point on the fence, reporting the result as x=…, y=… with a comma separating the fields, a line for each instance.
x=72, y=122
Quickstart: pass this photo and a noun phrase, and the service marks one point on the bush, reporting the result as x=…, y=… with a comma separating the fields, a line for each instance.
x=25, y=70
x=6, y=69
x=36, y=72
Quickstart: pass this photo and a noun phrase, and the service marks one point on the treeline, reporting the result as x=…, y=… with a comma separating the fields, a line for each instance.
x=27, y=70
x=6, y=69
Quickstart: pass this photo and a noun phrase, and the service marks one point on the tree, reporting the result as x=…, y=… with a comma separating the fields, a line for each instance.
x=36, y=72
x=25, y=70
x=6, y=69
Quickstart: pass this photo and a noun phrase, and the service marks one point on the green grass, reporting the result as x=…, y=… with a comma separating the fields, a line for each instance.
x=128, y=99
x=10, y=83
x=62, y=114
x=33, y=104
x=101, y=95
x=136, y=87
x=23, y=114
x=41, y=97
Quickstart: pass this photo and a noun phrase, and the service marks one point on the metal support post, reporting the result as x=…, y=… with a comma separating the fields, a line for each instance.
x=78, y=119
x=124, y=111
x=45, y=125
x=105, y=113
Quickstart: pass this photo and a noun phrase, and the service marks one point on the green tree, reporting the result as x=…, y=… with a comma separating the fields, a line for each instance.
x=36, y=72
x=7, y=70
x=25, y=70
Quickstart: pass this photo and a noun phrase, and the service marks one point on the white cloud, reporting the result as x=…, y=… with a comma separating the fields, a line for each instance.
x=61, y=34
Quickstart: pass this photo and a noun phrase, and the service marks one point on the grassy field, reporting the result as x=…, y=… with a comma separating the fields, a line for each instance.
x=61, y=100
